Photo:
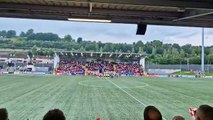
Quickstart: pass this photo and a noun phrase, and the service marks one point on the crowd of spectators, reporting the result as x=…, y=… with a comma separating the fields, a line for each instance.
x=95, y=68
x=204, y=112
x=70, y=67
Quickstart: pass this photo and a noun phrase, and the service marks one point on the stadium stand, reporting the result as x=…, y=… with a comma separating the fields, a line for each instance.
x=97, y=68
x=99, y=64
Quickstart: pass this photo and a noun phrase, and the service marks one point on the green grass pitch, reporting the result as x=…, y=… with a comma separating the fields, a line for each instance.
x=87, y=98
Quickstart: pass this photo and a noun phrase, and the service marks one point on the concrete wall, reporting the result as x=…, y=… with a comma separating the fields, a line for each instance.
x=182, y=67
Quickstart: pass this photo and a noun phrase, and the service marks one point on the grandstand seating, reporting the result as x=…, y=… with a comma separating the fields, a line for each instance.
x=92, y=68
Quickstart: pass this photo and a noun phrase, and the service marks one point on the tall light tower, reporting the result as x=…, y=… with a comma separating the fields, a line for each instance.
x=202, y=58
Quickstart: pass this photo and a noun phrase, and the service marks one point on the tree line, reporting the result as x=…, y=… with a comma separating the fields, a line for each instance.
x=157, y=51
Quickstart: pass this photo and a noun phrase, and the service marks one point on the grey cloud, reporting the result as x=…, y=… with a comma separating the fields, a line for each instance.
x=186, y=35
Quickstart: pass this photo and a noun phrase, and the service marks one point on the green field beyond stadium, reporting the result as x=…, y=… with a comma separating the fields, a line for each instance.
x=87, y=98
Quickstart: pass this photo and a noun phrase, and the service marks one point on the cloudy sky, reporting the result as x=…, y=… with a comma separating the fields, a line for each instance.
x=108, y=32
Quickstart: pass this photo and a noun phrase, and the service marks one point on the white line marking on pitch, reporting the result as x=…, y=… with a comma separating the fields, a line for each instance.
x=129, y=94
x=98, y=86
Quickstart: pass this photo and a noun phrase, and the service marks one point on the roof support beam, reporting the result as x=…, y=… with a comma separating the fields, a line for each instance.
x=189, y=23
x=198, y=4
x=120, y=55
x=110, y=55
x=201, y=4
x=194, y=16
x=62, y=53
x=129, y=55
x=72, y=10
x=196, y=22
x=117, y=16
x=90, y=9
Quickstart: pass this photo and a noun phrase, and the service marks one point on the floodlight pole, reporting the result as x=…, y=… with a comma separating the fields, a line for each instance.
x=202, y=58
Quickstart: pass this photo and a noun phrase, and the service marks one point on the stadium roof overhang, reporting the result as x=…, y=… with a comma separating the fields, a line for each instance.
x=101, y=55
x=197, y=13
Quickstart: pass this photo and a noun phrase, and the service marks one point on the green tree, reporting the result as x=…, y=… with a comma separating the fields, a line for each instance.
x=154, y=51
x=82, y=49
x=79, y=40
x=29, y=32
x=50, y=52
x=90, y=47
x=159, y=51
x=138, y=45
x=210, y=58
x=68, y=38
x=101, y=49
x=34, y=50
x=96, y=47
x=182, y=53
x=167, y=46
x=175, y=45
x=3, y=33
x=44, y=36
x=148, y=50
x=22, y=34
x=157, y=43
x=133, y=50
x=107, y=48
x=30, y=54
x=11, y=33
x=187, y=48
x=140, y=50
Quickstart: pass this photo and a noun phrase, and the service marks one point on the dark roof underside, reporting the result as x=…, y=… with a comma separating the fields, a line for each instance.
x=197, y=13
x=101, y=55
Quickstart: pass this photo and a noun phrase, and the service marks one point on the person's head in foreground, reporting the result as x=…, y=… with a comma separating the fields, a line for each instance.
x=204, y=112
x=178, y=118
x=54, y=114
x=152, y=113
x=3, y=114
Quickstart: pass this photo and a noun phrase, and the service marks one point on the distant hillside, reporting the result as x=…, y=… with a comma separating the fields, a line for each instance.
x=47, y=43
